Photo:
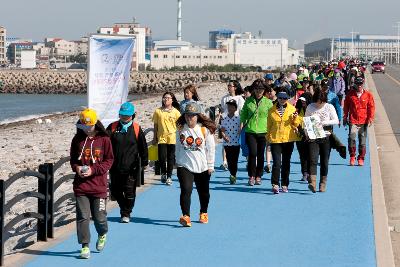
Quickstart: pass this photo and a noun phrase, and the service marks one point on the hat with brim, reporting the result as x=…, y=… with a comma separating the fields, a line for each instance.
x=192, y=109
x=127, y=109
x=282, y=95
x=232, y=102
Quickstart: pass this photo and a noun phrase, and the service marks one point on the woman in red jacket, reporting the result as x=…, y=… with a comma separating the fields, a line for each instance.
x=91, y=158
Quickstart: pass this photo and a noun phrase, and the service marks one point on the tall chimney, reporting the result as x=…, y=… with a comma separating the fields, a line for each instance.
x=179, y=22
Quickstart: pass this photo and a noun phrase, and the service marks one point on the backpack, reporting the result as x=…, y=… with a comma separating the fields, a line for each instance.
x=114, y=126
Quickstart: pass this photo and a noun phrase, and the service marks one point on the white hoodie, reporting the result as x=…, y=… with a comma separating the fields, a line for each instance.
x=193, y=151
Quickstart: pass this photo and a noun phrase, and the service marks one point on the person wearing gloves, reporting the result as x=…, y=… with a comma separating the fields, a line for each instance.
x=195, y=156
x=91, y=157
x=320, y=147
x=130, y=156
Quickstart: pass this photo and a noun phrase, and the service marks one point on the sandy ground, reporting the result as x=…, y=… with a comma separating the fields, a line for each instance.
x=26, y=145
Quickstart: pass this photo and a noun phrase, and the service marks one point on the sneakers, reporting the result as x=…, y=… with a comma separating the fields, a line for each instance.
x=224, y=166
x=203, y=217
x=232, y=179
x=275, y=189
x=267, y=168
x=125, y=219
x=163, y=178
x=285, y=189
x=360, y=162
x=352, y=161
x=185, y=221
x=305, y=177
x=169, y=181
x=258, y=181
x=85, y=253
x=251, y=181
x=101, y=242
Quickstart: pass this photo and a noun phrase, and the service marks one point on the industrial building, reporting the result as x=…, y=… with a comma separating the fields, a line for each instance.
x=3, y=50
x=373, y=47
x=214, y=37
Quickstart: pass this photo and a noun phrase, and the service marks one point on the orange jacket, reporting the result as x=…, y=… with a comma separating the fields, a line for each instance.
x=359, y=110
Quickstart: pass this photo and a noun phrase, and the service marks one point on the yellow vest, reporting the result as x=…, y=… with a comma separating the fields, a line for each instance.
x=282, y=129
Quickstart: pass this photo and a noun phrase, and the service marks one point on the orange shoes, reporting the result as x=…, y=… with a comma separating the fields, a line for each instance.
x=203, y=218
x=185, y=221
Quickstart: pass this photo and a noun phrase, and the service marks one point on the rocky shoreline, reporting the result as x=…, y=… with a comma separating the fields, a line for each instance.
x=74, y=82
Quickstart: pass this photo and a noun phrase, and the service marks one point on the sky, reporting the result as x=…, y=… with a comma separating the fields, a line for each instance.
x=299, y=21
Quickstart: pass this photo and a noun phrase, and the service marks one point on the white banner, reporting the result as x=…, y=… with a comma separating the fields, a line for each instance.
x=108, y=75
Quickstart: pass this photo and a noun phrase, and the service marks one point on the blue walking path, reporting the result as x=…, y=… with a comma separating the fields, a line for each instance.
x=249, y=226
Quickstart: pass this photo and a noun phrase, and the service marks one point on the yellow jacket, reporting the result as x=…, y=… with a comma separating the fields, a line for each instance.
x=283, y=129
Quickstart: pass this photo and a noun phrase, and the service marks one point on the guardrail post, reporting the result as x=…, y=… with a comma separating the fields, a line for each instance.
x=43, y=188
x=2, y=203
x=50, y=202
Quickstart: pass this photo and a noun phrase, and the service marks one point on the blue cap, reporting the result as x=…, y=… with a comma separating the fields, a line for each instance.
x=269, y=76
x=283, y=95
x=127, y=109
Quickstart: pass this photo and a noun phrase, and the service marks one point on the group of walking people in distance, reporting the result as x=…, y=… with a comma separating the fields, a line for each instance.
x=263, y=120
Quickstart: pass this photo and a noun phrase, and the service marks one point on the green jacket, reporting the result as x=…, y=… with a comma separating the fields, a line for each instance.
x=258, y=122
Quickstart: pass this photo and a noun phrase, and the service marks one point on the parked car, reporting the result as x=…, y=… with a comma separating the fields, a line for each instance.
x=378, y=66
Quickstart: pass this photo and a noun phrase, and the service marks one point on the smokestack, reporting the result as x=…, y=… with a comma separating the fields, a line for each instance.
x=179, y=22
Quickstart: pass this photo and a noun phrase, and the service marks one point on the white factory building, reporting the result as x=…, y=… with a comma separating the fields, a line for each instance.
x=241, y=49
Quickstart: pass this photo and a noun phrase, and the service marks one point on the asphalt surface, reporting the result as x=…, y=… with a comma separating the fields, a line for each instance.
x=249, y=226
x=388, y=87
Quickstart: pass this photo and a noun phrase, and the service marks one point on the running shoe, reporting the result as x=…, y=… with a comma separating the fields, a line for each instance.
x=285, y=189
x=305, y=177
x=275, y=189
x=85, y=253
x=101, y=242
x=360, y=162
x=232, y=179
x=203, y=217
x=125, y=219
x=169, y=181
x=352, y=161
x=251, y=181
x=267, y=168
x=163, y=178
x=224, y=166
x=258, y=181
x=185, y=221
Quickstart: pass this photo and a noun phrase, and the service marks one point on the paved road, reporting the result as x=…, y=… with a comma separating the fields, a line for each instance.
x=388, y=87
x=249, y=226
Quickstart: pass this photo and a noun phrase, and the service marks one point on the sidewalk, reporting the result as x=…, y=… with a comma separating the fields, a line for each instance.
x=249, y=226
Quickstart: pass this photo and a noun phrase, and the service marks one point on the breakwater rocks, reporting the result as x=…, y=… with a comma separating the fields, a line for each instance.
x=74, y=82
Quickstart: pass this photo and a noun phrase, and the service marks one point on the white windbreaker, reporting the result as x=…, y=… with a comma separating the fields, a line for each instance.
x=194, y=151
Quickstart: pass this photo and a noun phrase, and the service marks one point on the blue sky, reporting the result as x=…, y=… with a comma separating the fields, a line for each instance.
x=299, y=21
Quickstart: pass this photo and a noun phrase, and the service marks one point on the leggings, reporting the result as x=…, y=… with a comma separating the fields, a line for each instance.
x=232, y=157
x=319, y=147
x=166, y=158
x=256, y=144
x=202, y=181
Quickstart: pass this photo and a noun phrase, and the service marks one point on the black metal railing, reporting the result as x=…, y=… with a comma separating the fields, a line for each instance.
x=47, y=205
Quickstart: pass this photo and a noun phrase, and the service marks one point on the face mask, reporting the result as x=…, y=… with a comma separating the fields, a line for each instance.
x=337, y=75
x=85, y=128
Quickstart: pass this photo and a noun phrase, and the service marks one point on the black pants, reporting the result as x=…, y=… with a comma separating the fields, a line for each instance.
x=319, y=147
x=256, y=144
x=123, y=189
x=86, y=205
x=202, y=181
x=281, y=154
x=302, y=147
x=166, y=158
x=232, y=156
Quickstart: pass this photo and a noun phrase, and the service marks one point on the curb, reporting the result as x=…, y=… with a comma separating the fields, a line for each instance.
x=383, y=243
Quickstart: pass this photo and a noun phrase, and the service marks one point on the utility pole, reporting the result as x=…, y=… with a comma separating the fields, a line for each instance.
x=398, y=42
x=340, y=48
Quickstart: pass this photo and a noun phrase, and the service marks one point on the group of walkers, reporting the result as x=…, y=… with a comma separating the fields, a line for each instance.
x=261, y=120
